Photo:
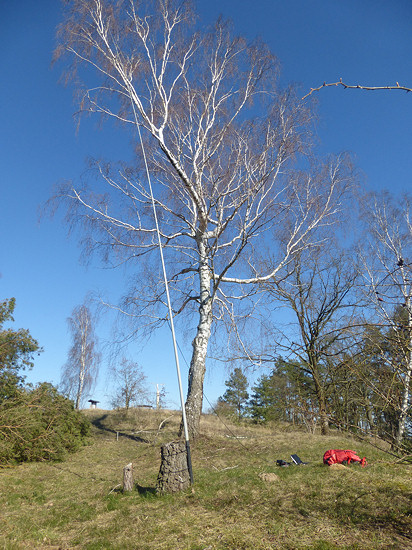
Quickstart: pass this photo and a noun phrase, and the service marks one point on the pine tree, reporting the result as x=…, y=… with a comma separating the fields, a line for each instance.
x=17, y=350
x=236, y=395
x=267, y=400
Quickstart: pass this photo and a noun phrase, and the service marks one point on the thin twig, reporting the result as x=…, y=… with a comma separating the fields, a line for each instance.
x=114, y=488
x=406, y=459
x=397, y=86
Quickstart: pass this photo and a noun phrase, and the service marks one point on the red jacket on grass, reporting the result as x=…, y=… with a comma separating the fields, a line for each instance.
x=339, y=456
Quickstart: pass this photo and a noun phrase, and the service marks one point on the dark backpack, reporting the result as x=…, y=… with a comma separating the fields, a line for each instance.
x=282, y=463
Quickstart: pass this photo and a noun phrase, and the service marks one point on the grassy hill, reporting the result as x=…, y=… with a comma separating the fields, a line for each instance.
x=235, y=503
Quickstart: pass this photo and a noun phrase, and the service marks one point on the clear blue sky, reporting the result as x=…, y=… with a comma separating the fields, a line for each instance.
x=363, y=41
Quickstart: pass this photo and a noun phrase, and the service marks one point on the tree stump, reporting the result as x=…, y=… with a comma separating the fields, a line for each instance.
x=128, y=483
x=174, y=473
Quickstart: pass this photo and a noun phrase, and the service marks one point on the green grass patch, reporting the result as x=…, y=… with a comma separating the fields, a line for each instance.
x=79, y=504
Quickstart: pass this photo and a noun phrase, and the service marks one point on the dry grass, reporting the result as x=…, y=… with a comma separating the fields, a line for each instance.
x=235, y=503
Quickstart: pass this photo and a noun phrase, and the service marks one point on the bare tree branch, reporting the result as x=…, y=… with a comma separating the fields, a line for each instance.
x=396, y=86
x=220, y=138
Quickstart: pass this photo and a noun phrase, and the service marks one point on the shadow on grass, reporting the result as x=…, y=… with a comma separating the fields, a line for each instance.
x=98, y=423
x=386, y=508
x=145, y=491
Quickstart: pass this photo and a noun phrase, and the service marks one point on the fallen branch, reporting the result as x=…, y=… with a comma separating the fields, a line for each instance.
x=228, y=468
x=114, y=488
x=404, y=459
x=163, y=421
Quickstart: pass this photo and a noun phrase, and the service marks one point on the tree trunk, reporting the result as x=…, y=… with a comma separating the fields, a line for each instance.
x=324, y=420
x=320, y=393
x=80, y=387
x=369, y=413
x=84, y=333
x=406, y=389
x=174, y=473
x=128, y=483
x=194, y=400
x=197, y=371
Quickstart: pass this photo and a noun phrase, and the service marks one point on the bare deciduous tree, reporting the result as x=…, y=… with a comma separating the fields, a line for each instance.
x=130, y=384
x=80, y=371
x=318, y=294
x=219, y=137
x=387, y=259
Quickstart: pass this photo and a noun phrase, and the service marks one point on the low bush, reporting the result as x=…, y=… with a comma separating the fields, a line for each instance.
x=40, y=424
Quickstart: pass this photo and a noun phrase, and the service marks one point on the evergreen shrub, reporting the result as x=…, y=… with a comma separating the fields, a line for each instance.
x=40, y=424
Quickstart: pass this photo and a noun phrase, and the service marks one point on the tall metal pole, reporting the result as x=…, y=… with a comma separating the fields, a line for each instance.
x=182, y=402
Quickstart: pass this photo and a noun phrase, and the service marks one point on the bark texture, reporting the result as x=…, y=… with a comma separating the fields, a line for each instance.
x=174, y=473
x=128, y=483
x=197, y=369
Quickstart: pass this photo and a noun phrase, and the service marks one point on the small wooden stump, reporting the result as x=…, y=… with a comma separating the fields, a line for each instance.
x=174, y=473
x=128, y=483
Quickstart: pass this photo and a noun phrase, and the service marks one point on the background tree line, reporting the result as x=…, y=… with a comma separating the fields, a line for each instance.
x=344, y=357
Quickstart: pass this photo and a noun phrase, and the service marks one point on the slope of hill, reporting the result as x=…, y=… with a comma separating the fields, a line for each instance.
x=240, y=499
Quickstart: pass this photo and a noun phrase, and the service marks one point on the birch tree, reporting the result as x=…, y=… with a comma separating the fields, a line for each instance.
x=387, y=259
x=80, y=371
x=216, y=137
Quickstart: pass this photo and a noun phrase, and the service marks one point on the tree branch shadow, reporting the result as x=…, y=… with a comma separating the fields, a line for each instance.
x=98, y=423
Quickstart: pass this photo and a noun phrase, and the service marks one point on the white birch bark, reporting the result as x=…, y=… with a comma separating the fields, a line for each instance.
x=80, y=371
x=81, y=322
x=406, y=378
x=387, y=257
x=220, y=139
x=200, y=343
